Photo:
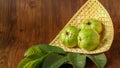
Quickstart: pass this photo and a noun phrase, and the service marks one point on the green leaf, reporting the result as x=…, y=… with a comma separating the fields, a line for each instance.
x=37, y=52
x=43, y=49
x=49, y=48
x=99, y=59
x=54, y=61
x=77, y=60
x=24, y=62
x=33, y=51
x=35, y=63
x=28, y=59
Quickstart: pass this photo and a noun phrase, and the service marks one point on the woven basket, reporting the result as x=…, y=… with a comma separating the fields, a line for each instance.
x=91, y=9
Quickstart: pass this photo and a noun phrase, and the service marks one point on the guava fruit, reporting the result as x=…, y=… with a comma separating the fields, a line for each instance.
x=88, y=39
x=68, y=36
x=91, y=23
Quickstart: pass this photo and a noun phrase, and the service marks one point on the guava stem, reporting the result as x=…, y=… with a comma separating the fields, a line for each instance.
x=67, y=33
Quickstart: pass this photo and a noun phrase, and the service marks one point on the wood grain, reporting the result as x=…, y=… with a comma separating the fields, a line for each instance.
x=24, y=23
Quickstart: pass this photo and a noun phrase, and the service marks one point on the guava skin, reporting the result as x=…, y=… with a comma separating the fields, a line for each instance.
x=68, y=36
x=88, y=39
x=91, y=23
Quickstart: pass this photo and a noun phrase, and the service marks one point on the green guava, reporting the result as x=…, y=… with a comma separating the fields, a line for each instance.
x=91, y=23
x=88, y=39
x=68, y=36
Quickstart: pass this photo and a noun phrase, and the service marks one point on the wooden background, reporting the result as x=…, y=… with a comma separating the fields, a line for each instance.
x=24, y=23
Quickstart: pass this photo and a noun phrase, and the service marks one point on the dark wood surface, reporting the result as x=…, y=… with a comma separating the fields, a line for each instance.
x=24, y=23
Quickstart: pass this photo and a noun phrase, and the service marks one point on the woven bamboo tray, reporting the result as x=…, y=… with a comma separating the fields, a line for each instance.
x=91, y=9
